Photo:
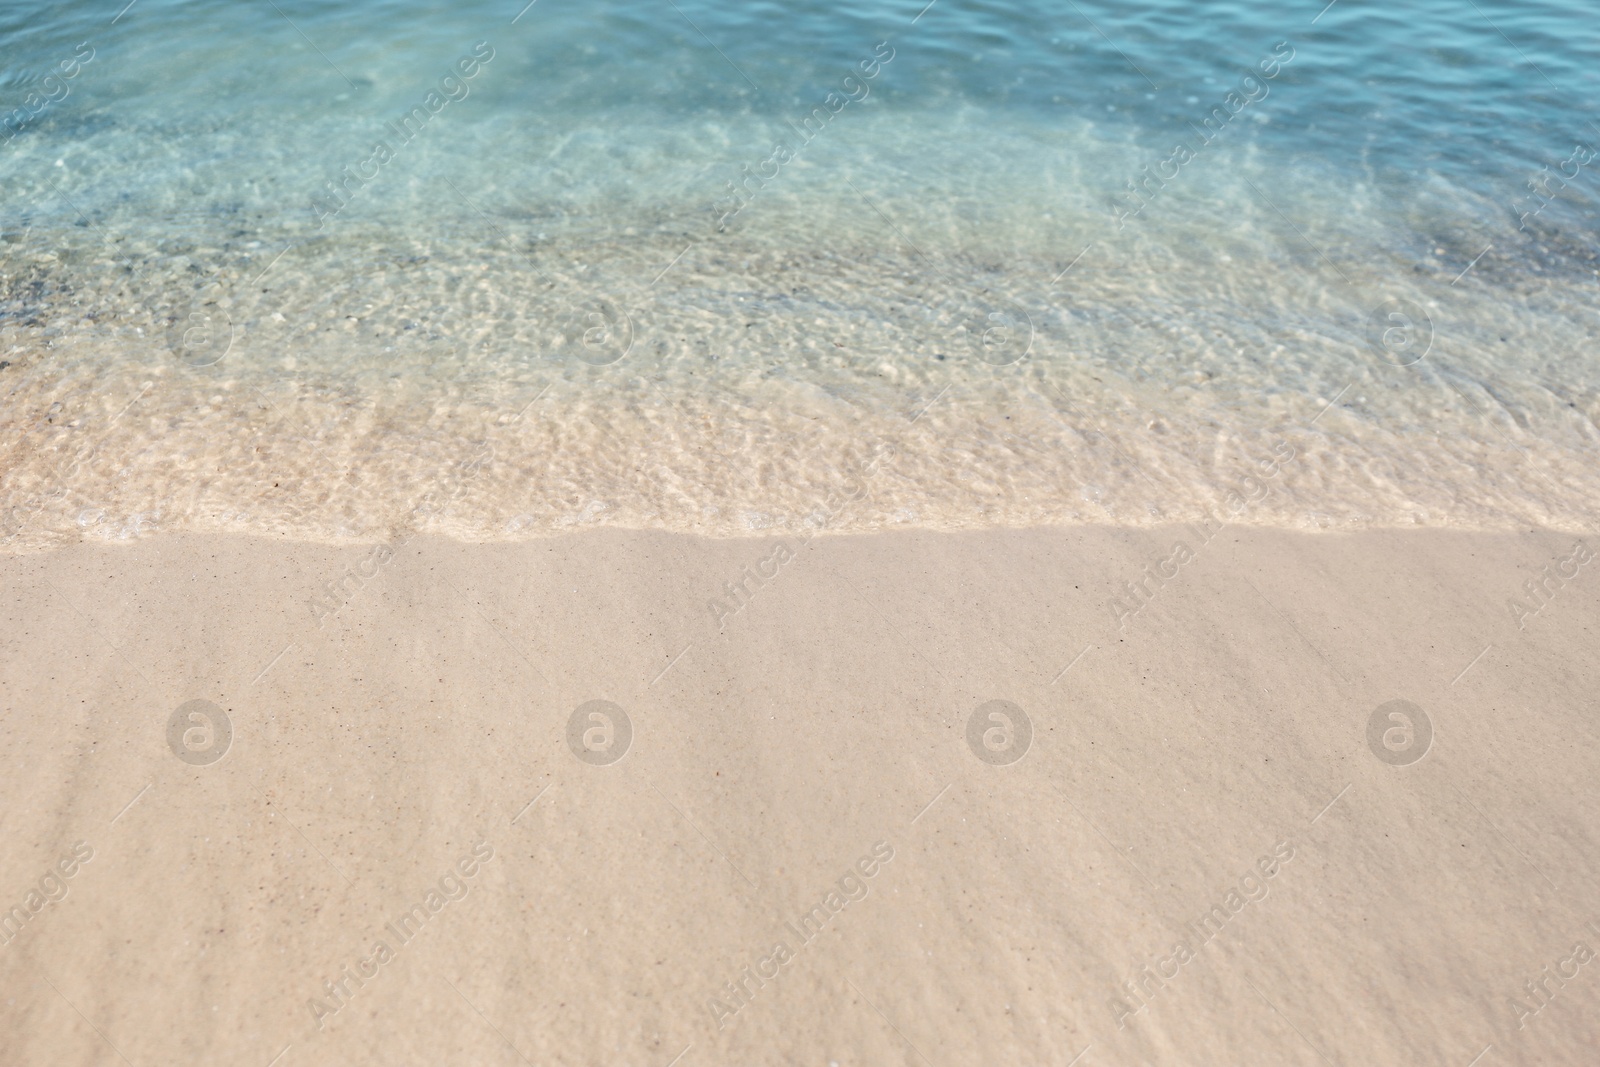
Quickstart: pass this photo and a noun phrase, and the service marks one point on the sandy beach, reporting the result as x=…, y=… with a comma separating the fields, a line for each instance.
x=910, y=534
x=784, y=840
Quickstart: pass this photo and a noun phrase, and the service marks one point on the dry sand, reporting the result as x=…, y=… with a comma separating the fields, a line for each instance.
x=1222, y=733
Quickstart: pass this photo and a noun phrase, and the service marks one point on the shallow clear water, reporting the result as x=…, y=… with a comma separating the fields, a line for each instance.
x=255, y=277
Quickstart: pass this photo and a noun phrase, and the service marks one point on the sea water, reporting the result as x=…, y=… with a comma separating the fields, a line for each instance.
x=492, y=270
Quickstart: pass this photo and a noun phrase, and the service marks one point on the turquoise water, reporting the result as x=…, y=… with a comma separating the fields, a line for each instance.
x=491, y=270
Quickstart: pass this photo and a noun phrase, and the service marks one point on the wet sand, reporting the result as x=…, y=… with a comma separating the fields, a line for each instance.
x=1196, y=857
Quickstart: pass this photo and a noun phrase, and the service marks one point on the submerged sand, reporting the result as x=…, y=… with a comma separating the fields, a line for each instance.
x=800, y=857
